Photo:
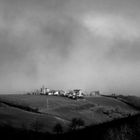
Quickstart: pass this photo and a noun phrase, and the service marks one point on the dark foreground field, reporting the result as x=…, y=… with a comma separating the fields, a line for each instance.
x=35, y=116
x=121, y=129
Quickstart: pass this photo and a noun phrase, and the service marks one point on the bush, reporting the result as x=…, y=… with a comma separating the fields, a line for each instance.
x=37, y=125
x=58, y=128
x=76, y=123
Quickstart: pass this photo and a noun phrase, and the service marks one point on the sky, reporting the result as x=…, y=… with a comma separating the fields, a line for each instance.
x=67, y=44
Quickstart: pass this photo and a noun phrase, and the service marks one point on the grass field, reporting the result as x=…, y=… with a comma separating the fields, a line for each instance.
x=105, y=101
x=55, y=109
x=23, y=119
x=132, y=100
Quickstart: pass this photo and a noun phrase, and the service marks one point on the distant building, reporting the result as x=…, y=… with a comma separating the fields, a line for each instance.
x=113, y=94
x=78, y=92
x=43, y=90
x=49, y=93
x=47, y=90
x=94, y=93
x=62, y=92
x=74, y=94
x=56, y=93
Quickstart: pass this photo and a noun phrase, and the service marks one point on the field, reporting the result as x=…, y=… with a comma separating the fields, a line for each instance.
x=55, y=109
x=132, y=100
x=23, y=119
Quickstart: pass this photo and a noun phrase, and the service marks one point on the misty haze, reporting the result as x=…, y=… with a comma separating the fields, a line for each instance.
x=88, y=44
x=70, y=67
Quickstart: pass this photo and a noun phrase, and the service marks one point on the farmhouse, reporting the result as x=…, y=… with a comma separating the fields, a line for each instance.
x=78, y=92
x=73, y=94
x=62, y=93
x=50, y=92
x=56, y=93
x=44, y=90
x=94, y=93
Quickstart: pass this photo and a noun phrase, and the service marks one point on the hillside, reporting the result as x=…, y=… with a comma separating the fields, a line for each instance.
x=18, y=118
x=54, y=109
x=131, y=100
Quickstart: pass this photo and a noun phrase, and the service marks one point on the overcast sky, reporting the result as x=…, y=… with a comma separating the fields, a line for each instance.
x=88, y=44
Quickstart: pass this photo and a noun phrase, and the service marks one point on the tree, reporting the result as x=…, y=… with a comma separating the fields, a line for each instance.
x=80, y=122
x=73, y=124
x=37, y=125
x=76, y=123
x=58, y=128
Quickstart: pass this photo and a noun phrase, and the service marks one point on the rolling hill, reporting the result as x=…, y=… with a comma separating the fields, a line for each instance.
x=56, y=109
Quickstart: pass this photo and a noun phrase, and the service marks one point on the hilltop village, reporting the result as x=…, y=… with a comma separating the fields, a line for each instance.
x=73, y=94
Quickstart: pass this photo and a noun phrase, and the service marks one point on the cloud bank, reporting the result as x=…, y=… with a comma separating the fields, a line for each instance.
x=69, y=44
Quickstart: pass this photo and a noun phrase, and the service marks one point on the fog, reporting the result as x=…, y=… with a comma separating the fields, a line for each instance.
x=67, y=44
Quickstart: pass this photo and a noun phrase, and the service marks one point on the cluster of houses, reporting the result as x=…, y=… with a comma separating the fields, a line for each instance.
x=73, y=94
